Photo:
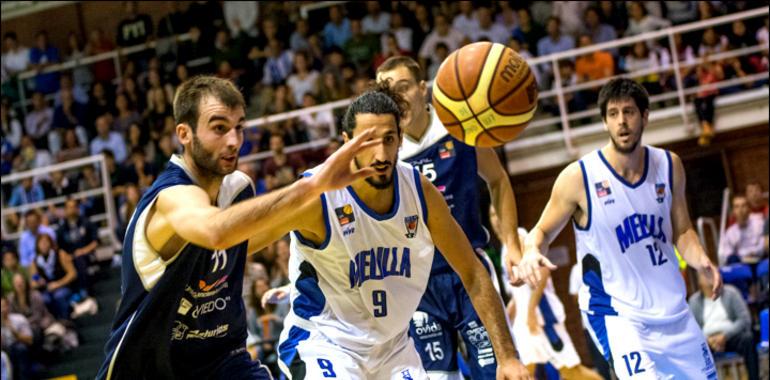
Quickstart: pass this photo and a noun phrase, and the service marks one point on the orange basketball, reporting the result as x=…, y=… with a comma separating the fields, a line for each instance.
x=485, y=94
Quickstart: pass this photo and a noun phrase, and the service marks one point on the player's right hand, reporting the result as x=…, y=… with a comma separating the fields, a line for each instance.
x=275, y=296
x=512, y=370
x=337, y=171
x=529, y=267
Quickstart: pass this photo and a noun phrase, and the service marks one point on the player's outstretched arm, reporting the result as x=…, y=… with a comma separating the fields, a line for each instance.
x=188, y=210
x=451, y=241
x=504, y=202
x=686, y=239
x=561, y=206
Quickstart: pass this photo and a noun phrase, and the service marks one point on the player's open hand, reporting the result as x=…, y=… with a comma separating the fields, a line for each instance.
x=711, y=272
x=276, y=296
x=529, y=268
x=337, y=172
x=512, y=370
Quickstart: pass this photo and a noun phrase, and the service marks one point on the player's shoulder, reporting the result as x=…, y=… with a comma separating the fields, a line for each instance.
x=236, y=186
x=572, y=174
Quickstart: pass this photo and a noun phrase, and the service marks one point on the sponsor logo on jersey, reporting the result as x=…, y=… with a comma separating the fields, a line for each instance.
x=405, y=375
x=479, y=337
x=348, y=231
x=423, y=327
x=603, y=188
x=378, y=263
x=218, y=304
x=411, y=225
x=184, y=306
x=708, y=367
x=217, y=332
x=637, y=227
x=179, y=331
x=204, y=287
x=660, y=192
x=447, y=150
x=441, y=188
x=196, y=294
x=345, y=214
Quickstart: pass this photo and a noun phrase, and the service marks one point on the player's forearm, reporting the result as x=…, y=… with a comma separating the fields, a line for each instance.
x=537, y=292
x=261, y=215
x=691, y=250
x=536, y=240
x=490, y=309
x=504, y=202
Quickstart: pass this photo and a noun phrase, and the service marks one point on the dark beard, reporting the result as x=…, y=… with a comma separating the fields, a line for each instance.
x=628, y=150
x=207, y=162
x=381, y=182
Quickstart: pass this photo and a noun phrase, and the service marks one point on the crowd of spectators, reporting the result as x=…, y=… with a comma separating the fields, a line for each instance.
x=283, y=61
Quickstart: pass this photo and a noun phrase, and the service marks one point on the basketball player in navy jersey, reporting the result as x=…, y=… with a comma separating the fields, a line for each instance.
x=453, y=167
x=181, y=314
x=627, y=219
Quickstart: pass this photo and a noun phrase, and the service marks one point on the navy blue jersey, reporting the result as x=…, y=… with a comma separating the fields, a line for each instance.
x=451, y=166
x=184, y=317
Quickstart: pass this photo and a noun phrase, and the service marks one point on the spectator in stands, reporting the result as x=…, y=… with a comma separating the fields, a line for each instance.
x=742, y=241
x=241, y=17
x=712, y=43
x=376, y=21
x=30, y=157
x=126, y=210
x=78, y=92
x=103, y=70
x=194, y=49
x=330, y=88
x=615, y=15
x=281, y=168
x=158, y=109
x=108, y=140
x=640, y=21
x=279, y=273
x=422, y=24
x=299, y=40
x=27, y=241
x=278, y=65
x=402, y=33
x=443, y=33
x=571, y=13
x=70, y=115
x=337, y=30
x=98, y=105
x=138, y=138
x=126, y=114
x=389, y=49
x=41, y=56
x=528, y=32
x=26, y=191
x=757, y=203
x=135, y=29
x=16, y=340
x=54, y=275
x=361, y=47
x=488, y=30
x=174, y=22
x=138, y=170
x=15, y=57
x=81, y=75
x=318, y=124
x=681, y=12
x=72, y=148
x=11, y=267
x=465, y=22
x=726, y=322
x=59, y=185
x=11, y=126
x=207, y=17
x=554, y=42
x=39, y=121
x=165, y=149
x=442, y=52
x=599, y=32
x=708, y=73
x=29, y=303
x=642, y=58
x=226, y=49
x=506, y=16
x=303, y=80
x=78, y=236
x=593, y=66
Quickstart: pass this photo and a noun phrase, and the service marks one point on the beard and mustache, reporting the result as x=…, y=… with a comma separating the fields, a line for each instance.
x=207, y=161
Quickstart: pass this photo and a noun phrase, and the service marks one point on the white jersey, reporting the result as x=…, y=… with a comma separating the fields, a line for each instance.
x=626, y=248
x=362, y=285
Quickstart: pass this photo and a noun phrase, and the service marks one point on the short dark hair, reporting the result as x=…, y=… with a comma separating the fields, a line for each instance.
x=11, y=35
x=394, y=62
x=378, y=99
x=190, y=93
x=623, y=88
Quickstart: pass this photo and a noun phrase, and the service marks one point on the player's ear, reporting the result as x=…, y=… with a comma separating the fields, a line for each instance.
x=184, y=133
x=346, y=137
x=645, y=117
x=423, y=88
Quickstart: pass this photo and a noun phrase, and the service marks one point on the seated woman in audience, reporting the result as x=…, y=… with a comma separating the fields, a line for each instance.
x=53, y=273
x=29, y=303
x=11, y=268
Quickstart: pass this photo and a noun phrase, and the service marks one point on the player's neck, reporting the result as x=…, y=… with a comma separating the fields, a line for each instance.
x=379, y=200
x=209, y=184
x=419, y=126
x=629, y=165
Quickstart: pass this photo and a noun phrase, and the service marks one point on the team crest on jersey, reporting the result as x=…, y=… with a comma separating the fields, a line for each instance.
x=603, y=188
x=345, y=214
x=660, y=191
x=411, y=225
x=447, y=150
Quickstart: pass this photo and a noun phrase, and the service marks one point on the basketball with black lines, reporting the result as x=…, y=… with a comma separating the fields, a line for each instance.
x=485, y=94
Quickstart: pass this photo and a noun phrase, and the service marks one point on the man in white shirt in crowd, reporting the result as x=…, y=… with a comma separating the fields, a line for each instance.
x=465, y=21
x=15, y=57
x=376, y=21
x=742, y=241
x=442, y=33
x=487, y=29
x=108, y=140
x=38, y=123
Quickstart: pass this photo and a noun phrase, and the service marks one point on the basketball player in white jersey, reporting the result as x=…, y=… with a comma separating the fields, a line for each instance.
x=627, y=218
x=360, y=260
